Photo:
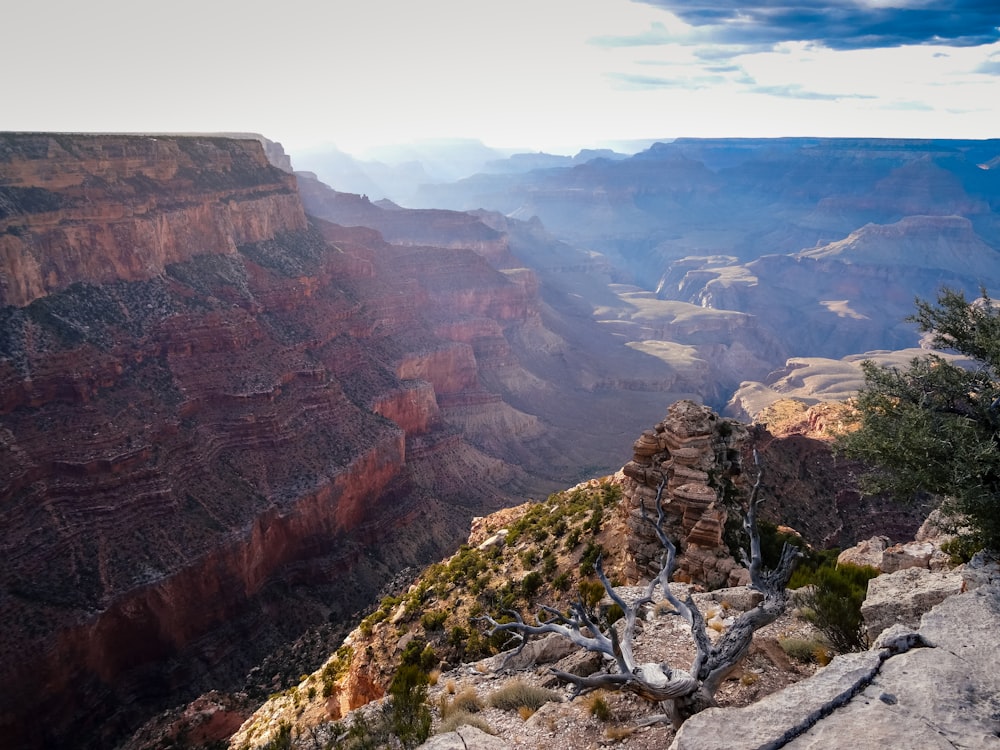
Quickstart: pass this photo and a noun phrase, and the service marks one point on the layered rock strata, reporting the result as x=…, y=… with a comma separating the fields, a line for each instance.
x=105, y=208
x=216, y=420
x=696, y=455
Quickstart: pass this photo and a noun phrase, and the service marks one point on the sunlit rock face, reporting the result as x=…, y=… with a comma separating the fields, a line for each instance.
x=105, y=208
x=219, y=419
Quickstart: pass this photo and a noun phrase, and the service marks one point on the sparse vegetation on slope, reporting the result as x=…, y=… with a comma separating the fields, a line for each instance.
x=545, y=551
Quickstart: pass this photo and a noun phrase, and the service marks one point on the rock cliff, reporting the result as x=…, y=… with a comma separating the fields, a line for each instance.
x=211, y=408
x=100, y=209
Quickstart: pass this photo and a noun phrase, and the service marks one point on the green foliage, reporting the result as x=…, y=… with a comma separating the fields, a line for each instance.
x=589, y=557
x=572, y=539
x=549, y=563
x=457, y=636
x=614, y=614
x=282, y=740
x=433, y=620
x=833, y=604
x=934, y=427
x=591, y=592
x=805, y=650
x=531, y=583
x=409, y=716
x=960, y=550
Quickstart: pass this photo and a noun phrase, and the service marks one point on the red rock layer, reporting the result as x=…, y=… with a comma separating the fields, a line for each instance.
x=210, y=409
x=103, y=208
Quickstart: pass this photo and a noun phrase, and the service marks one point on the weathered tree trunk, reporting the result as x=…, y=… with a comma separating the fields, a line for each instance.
x=681, y=693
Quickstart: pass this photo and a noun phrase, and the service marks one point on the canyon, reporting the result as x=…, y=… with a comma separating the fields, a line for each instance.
x=235, y=403
x=823, y=243
x=223, y=419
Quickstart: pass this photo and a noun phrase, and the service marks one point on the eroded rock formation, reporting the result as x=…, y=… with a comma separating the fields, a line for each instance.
x=698, y=455
x=217, y=418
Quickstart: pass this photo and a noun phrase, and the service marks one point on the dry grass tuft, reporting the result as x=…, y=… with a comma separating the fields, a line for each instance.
x=516, y=694
x=462, y=719
x=597, y=706
x=619, y=732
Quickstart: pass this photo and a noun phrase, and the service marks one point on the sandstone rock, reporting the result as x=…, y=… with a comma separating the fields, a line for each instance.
x=902, y=597
x=909, y=555
x=940, y=697
x=465, y=738
x=737, y=598
x=869, y=552
x=982, y=570
x=545, y=650
x=936, y=688
x=696, y=452
x=778, y=717
x=496, y=540
x=934, y=529
x=898, y=639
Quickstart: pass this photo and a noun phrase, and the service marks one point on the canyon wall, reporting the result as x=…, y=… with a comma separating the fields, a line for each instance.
x=218, y=419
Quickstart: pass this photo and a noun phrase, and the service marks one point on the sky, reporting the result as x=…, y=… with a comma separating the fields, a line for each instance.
x=549, y=75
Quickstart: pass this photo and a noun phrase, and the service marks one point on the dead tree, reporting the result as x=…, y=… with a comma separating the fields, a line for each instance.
x=681, y=693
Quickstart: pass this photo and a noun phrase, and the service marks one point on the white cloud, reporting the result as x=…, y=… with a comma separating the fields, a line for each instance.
x=523, y=73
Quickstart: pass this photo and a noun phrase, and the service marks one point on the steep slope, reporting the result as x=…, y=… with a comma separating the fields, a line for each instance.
x=615, y=345
x=542, y=554
x=210, y=408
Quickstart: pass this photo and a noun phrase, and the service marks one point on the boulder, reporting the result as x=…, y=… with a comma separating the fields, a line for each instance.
x=937, y=687
x=776, y=718
x=545, y=650
x=913, y=555
x=982, y=570
x=866, y=553
x=465, y=738
x=902, y=597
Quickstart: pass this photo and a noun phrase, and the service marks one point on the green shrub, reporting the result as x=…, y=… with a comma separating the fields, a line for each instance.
x=282, y=740
x=833, y=604
x=961, y=549
x=590, y=555
x=805, y=650
x=409, y=716
x=433, y=620
x=531, y=583
x=591, y=592
x=572, y=539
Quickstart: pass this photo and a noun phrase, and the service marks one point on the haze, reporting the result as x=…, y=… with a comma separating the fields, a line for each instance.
x=556, y=75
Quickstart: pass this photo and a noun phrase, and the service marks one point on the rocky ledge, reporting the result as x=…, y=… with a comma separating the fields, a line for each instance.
x=935, y=686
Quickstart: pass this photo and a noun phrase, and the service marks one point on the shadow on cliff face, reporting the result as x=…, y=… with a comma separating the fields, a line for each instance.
x=209, y=448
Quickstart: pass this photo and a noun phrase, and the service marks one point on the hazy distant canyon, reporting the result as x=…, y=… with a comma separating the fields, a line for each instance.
x=234, y=401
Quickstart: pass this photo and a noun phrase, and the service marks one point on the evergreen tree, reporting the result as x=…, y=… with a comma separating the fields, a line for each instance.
x=934, y=426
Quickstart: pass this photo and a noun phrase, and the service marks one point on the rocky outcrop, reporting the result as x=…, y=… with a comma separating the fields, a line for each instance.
x=935, y=687
x=804, y=487
x=98, y=209
x=904, y=596
x=696, y=455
